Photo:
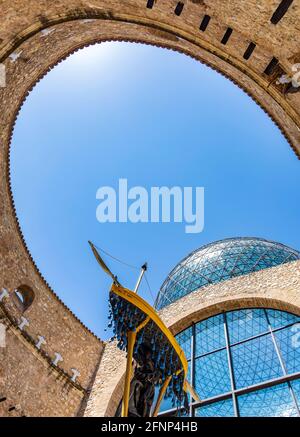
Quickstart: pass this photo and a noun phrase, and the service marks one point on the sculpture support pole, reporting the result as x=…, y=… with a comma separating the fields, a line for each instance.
x=143, y=270
x=190, y=389
x=131, y=336
x=143, y=324
x=162, y=392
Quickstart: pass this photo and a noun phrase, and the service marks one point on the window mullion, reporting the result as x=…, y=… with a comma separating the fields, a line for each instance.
x=229, y=357
x=192, y=377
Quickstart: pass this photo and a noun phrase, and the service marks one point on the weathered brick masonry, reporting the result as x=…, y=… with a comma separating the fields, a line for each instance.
x=34, y=36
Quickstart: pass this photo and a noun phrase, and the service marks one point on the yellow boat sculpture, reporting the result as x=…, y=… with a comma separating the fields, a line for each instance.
x=135, y=322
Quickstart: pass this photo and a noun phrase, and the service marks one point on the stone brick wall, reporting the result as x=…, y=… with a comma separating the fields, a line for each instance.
x=108, y=386
x=30, y=385
x=276, y=287
x=30, y=380
x=63, y=333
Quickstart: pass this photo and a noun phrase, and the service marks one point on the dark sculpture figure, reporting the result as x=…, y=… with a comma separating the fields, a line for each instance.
x=142, y=388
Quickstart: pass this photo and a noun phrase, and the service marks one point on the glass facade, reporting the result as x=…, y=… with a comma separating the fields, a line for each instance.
x=219, y=261
x=243, y=363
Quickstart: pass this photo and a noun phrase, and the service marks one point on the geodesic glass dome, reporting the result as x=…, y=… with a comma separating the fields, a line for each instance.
x=222, y=260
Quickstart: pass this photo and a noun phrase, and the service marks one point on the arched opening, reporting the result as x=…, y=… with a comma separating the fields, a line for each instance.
x=152, y=152
x=23, y=297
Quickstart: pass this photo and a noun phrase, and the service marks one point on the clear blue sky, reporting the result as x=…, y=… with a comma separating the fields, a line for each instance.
x=155, y=117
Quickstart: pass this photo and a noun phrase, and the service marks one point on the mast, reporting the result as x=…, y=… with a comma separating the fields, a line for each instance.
x=143, y=270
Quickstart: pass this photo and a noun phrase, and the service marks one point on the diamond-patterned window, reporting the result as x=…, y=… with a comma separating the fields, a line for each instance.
x=296, y=388
x=255, y=361
x=280, y=319
x=288, y=340
x=212, y=375
x=184, y=339
x=274, y=401
x=244, y=324
x=210, y=335
x=218, y=409
x=238, y=350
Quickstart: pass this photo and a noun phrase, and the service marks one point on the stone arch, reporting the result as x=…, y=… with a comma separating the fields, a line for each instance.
x=231, y=304
x=41, y=38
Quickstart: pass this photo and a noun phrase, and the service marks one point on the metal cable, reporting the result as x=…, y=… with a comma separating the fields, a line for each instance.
x=149, y=287
x=117, y=259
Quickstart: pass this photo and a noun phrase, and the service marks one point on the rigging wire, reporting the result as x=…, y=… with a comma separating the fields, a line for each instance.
x=128, y=265
x=116, y=259
x=149, y=287
x=160, y=291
